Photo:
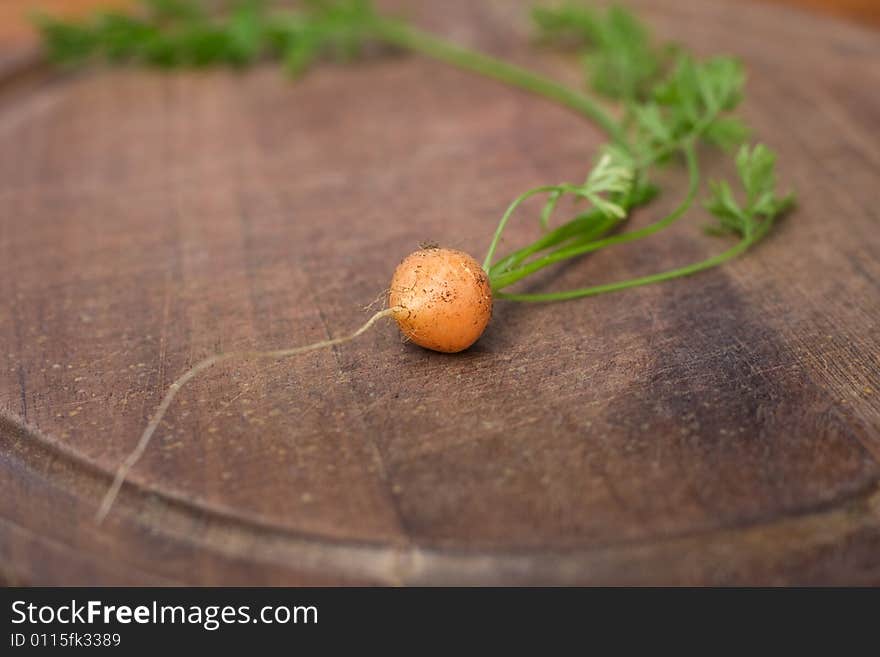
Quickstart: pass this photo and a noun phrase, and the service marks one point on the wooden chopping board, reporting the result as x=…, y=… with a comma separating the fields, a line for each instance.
x=722, y=429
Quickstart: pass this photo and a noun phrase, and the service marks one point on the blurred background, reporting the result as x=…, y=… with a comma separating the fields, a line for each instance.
x=14, y=27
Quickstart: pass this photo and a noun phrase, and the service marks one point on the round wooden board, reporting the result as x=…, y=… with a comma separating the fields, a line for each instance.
x=723, y=429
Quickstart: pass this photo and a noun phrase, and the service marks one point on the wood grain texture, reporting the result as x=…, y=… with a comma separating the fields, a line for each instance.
x=721, y=429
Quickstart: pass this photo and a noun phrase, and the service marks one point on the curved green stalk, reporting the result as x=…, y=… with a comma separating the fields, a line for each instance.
x=714, y=261
x=585, y=227
x=507, y=278
x=404, y=36
x=519, y=200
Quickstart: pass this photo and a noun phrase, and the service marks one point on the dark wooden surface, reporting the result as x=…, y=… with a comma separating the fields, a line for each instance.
x=721, y=429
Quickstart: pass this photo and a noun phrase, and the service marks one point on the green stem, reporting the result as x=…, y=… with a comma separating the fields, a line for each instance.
x=510, y=277
x=714, y=261
x=546, y=189
x=585, y=227
x=401, y=35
